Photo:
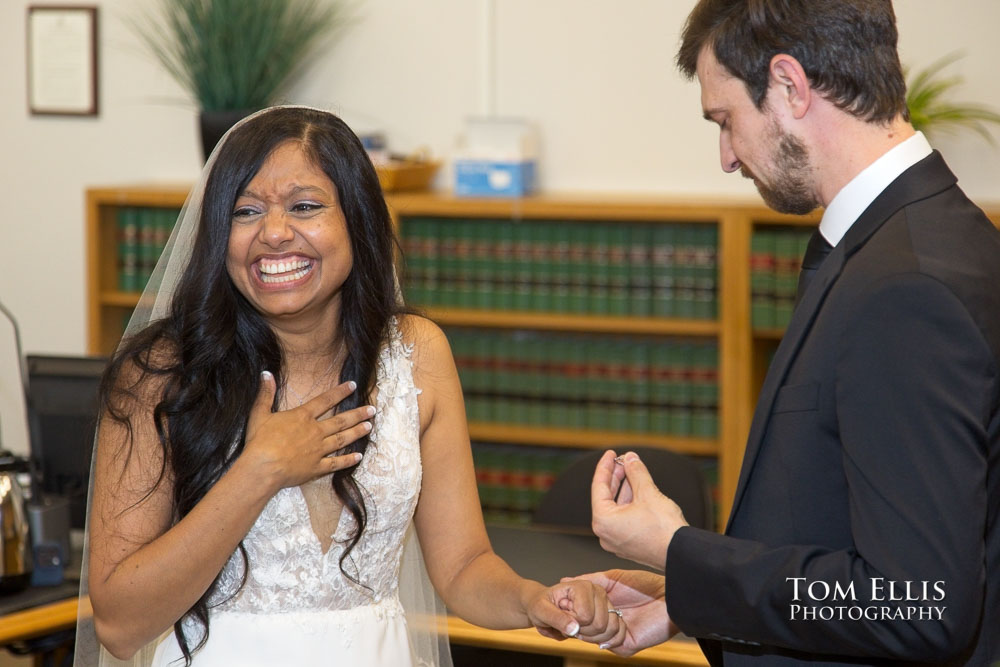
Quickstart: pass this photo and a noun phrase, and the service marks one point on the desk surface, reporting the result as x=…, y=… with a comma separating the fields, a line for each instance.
x=545, y=555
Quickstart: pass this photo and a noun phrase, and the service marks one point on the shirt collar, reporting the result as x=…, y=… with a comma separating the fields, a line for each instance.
x=862, y=190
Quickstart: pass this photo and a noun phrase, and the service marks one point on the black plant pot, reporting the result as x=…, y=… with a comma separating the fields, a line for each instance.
x=214, y=124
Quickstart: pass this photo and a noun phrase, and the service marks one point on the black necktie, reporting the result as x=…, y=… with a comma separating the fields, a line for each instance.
x=816, y=252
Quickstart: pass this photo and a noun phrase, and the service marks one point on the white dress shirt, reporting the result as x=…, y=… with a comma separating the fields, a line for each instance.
x=862, y=190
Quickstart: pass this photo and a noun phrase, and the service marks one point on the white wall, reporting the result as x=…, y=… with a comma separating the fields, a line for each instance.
x=596, y=75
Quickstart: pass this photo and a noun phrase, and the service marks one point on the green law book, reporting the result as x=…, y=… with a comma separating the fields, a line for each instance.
x=520, y=480
x=640, y=270
x=522, y=265
x=165, y=218
x=504, y=270
x=421, y=265
x=618, y=268
x=577, y=386
x=420, y=246
x=704, y=389
x=762, y=278
x=465, y=268
x=541, y=235
x=128, y=249
x=146, y=218
x=686, y=270
x=579, y=266
x=561, y=270
x=431, y=242
x=680, y=389
x=408, y=240
x=536, y=379
x=558, y=352
x=706, y=272
x=448, y=264
x=599, y=236
x=664, y=270
x=660, y=377
x=484, y=264
x=638, y=371
x=787, y=264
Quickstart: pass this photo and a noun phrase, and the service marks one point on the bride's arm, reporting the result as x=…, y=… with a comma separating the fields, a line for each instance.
x=146, y=571
x=473, y=581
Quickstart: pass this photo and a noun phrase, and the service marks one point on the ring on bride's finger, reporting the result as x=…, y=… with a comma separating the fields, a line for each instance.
x=615, y=611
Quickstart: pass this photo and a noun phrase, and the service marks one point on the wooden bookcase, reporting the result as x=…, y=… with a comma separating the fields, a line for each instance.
x=743, y=352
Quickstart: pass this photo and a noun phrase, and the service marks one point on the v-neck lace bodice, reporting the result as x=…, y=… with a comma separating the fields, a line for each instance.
x=288, y=570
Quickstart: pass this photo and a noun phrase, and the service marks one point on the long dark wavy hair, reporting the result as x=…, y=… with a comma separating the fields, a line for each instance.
x=209, y=352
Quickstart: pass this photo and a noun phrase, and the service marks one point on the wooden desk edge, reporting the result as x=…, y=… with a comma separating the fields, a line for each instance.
x=38, y=620
x=679, y=653
x=62, y=615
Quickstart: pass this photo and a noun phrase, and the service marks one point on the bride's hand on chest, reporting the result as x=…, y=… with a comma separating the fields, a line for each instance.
x=291, y=447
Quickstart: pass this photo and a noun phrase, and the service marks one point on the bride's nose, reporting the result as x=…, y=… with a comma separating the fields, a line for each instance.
x=274, y=229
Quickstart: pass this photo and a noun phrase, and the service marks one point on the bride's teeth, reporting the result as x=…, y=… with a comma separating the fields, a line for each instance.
x=270, y=270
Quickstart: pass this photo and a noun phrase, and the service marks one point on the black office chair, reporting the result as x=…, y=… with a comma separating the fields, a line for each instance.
x=567, y=502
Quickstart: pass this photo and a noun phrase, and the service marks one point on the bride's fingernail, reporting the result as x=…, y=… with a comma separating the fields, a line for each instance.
x=573, y=630
x=357, y=458
x=266, y=375
x=368, y=426
x=604, y=645
x=370, y=411
x=353, y=385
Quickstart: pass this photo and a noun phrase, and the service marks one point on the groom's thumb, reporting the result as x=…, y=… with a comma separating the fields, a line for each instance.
x=636, y=473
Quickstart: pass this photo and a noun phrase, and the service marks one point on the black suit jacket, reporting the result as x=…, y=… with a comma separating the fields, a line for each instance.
x=873, y=458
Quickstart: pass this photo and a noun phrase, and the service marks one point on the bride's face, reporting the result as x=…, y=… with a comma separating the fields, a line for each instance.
x=289, y=250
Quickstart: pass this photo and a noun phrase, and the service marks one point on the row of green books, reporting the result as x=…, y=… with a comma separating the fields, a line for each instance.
x=142, y=234
x=775, y=262
x=624, y=383
x=513, y=479
x=634, y=269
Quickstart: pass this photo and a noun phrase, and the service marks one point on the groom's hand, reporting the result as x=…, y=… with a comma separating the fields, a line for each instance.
x=631, y=517
x=640, y=596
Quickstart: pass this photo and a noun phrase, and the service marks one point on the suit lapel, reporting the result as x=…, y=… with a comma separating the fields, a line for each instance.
x=926, y=178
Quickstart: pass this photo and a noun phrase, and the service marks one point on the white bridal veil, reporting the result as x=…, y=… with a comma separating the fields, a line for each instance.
x=424, y=610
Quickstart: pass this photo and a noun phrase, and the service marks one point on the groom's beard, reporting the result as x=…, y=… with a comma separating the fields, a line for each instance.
x=788, y=189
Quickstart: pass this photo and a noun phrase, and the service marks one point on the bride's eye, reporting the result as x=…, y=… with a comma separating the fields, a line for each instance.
x=244, y=212
x=306, y=207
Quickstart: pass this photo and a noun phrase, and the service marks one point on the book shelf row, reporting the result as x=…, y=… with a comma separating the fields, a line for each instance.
x=601, y=268
x=621, y=383
x=513, y=479
x=775, y=259
x=142, y=234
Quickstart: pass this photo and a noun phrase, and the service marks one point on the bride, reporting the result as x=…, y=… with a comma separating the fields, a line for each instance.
x=275, y=426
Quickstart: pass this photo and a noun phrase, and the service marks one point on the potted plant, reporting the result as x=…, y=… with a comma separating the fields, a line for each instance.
x=235, y=56
x=927, y=94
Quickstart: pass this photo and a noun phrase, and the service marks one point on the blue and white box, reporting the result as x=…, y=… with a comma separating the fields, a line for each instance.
x=497, y=159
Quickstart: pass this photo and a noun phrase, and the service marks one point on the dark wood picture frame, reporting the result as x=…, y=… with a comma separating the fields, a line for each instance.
x=62, y=60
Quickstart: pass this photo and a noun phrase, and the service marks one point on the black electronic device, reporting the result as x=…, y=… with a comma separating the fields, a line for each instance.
x=62, y=412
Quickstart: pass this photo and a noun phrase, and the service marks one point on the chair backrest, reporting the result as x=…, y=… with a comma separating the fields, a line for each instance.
x=567, y=502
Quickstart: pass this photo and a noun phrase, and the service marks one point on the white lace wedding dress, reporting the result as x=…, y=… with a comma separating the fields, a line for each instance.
x=297, y=606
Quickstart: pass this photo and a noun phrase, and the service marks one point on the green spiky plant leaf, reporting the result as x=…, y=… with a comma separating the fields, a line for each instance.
x=927, y=97
x=237, y=54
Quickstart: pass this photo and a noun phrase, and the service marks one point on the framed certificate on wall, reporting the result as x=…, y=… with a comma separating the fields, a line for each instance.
x=62, y=60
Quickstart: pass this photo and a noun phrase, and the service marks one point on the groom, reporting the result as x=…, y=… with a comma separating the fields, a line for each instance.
x=865, y=524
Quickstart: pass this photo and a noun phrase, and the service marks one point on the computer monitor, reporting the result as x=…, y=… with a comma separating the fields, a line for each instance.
x=62, y=412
